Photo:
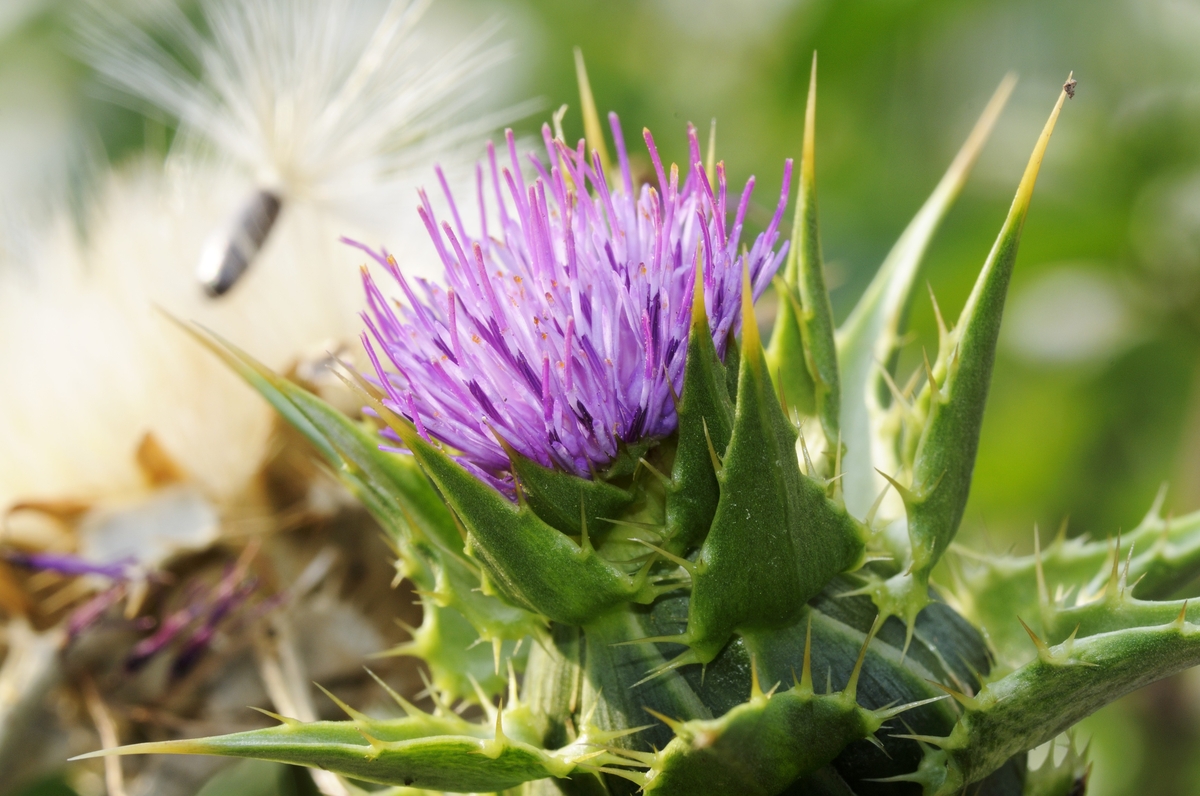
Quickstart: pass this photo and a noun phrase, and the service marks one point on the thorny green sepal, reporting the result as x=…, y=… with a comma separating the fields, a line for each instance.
x=761, y=746
x=802, y=355
x=764, y=744
x=870, y=334
x=945, y=457
x=532, y=563
x=569, y=503
x=776, y=539
x=705, y=412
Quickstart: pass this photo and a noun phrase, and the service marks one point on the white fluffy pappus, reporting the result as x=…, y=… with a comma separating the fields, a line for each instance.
x=91, y=365
x=342, y=104
x=339, y=110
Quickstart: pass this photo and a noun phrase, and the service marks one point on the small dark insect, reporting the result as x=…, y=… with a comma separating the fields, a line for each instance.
x=1069, y=87
x=1079, y=787
x=229, y=252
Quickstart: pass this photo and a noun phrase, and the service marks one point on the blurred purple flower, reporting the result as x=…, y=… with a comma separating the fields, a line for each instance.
x=167, y=632
x=209, y=607
x=66, y=564
x=197, y=644
x=85, y=615
x=565, y=330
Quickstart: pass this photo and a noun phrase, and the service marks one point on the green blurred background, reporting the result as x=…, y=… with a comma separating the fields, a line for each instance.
x=1096, y=397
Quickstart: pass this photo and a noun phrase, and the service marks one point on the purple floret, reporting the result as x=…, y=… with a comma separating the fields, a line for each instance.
x=565, y=330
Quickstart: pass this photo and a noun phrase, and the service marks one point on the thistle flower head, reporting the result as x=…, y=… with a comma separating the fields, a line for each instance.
x=562, y=329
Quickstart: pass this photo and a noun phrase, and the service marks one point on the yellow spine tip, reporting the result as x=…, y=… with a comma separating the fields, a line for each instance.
x=699, y=313
x=810, y=123
x=751, y=343
x=592, y=130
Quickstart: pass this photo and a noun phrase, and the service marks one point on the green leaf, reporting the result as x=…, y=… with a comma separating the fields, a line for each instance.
x=398, y=495
x=869, y=336
x=422, y=752
x=612, y=664
x=1098, y=579
x=945, y=457
x=255, y=778
x=802, y=355
x=776, y=540
x=392, y=486
x=1065, y=684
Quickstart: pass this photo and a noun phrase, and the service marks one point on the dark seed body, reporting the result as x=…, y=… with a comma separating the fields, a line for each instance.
x=231, y=250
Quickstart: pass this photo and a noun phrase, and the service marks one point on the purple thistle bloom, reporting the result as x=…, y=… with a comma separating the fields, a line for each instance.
x=564, y=331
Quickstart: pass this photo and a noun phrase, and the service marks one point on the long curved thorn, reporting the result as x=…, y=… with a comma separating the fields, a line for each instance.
x=930, y=740
x=485, y=701
x=886, y=713
x=287, y=721
x=439, y=699
x=675, y=724
x=1042, y=648
x=688, y=566
x=683, y=659
x=869, y=517
x=645, y=758
x=1125, y=574
x=755, y=687
x=851, y=689
x=681, y=638
x=967, y=702
x=905, y=494
x=809, y=470
x=718, y=465
x=897, y=394
x=514, y=692
x=635, y=777
x=349, y=711
x=409, y=708
x=666, y=481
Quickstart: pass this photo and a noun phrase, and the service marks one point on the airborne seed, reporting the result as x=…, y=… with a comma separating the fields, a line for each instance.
x=229, y=251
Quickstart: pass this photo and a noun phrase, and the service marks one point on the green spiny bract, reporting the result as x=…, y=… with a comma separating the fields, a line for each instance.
x=745, y=606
